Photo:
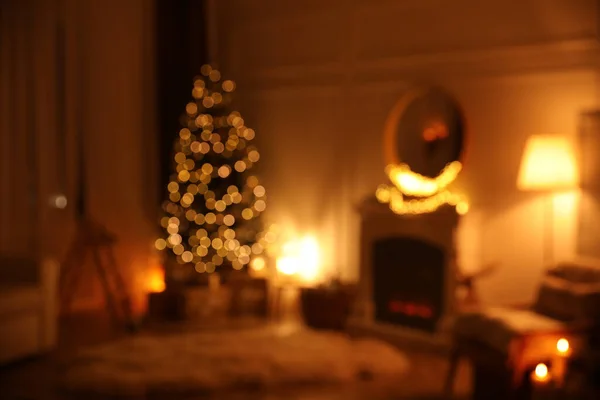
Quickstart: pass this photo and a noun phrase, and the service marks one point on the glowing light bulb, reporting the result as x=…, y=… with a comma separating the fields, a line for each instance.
x=160, y=244
x=258, y=263
x=249, y=134
x=240, y=166
x=210, y=218
x=214, y=75
x=287, y=265
x=247, y=213
x=224, y=171
x=228, y=86
x=462, y=208
x=200, y=267
x=259, y=191
x=187, y=256
x=260, y=205
x=185, y=133
x=229, y=220
x=308, y=254
x=205, y=69
x=253, y=156
x=191, y=108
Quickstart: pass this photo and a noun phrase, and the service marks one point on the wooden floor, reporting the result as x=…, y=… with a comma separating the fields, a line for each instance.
x=39, y=378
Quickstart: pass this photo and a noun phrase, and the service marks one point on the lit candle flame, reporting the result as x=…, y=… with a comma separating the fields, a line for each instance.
x=156, y=281
x=562, y=345
x=541, y=372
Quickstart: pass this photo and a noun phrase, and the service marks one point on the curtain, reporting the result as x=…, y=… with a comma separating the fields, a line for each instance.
x=34, y=128
x=180, y=52
x=18, y=171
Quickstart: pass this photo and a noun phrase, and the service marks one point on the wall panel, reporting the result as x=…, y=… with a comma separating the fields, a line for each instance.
x=517, y=67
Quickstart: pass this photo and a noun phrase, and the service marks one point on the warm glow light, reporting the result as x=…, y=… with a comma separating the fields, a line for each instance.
x=160, y=244
x=309, y=258
x=399, y=205
x=258, y=264
x=541, y=371
x=428, y=194
x=462, y=208
x=300, y=257
x=156, y=281
x=562, y=345
x=199, y=223
x=413, y=184
x=565, y=203
x=548, y=164
x=287, y=265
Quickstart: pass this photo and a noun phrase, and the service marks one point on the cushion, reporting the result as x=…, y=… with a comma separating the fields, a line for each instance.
x=582, y=271
x=498, y=326
x=570, y=292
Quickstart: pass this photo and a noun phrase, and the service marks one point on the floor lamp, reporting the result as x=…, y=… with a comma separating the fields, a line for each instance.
x=548, y=166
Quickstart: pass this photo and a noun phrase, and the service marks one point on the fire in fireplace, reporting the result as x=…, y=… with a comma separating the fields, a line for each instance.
x=408, y=282
x=411, y=309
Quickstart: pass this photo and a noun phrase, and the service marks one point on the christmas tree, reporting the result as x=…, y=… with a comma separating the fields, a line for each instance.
x=213, y=211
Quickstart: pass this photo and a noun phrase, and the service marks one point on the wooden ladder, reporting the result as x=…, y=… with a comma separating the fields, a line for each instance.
x=95, y=242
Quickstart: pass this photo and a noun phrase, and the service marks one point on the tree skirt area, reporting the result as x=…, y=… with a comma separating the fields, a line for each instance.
x=218, y=362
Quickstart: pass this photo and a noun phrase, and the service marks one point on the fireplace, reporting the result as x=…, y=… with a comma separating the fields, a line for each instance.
x=408, y=282
x=407, y=274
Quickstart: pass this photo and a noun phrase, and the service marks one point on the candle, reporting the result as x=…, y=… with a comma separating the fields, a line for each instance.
x=559, y=364
x=559, y=369
x=541, y=383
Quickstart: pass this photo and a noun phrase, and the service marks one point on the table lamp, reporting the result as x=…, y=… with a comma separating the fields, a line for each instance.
x=549, y=166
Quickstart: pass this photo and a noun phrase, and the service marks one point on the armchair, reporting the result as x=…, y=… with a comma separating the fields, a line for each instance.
x=502, y=343
x=28, y=307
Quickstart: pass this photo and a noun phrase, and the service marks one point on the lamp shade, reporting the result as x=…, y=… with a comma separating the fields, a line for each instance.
x=548, y=163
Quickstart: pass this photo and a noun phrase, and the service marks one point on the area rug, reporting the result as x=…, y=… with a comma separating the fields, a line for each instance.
x=213, y=362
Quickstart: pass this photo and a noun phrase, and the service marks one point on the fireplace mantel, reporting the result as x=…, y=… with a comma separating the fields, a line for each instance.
x=437, y=229
x=434, y=227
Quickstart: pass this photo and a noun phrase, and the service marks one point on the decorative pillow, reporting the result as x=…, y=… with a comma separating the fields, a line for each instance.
x=576, y=272
x=570, y=292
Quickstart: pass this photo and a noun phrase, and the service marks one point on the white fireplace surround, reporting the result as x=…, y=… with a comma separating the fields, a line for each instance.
x=379, y=222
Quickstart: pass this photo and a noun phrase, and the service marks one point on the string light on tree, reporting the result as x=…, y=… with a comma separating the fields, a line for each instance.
x=214, y=199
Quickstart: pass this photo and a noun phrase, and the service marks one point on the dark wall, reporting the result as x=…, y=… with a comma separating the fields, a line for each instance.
x=181, y=51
